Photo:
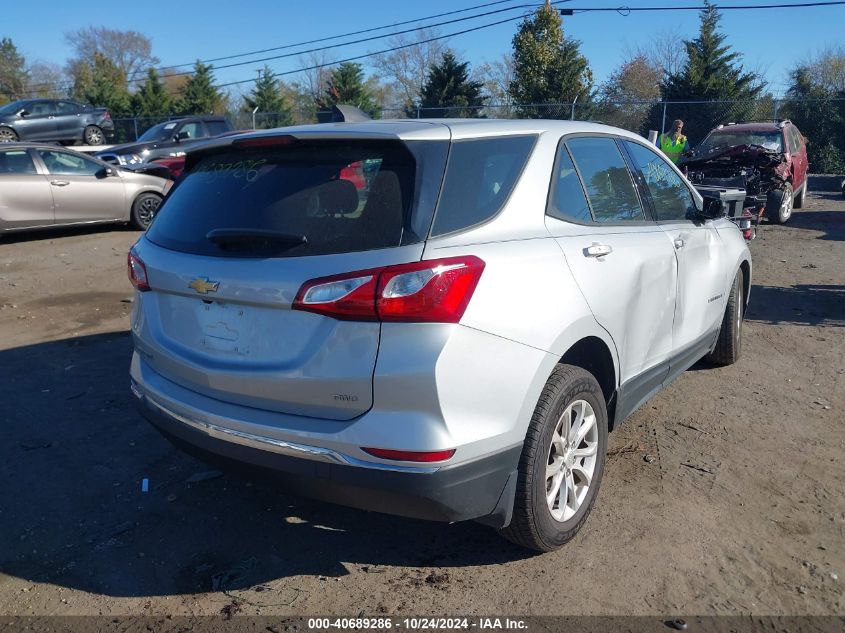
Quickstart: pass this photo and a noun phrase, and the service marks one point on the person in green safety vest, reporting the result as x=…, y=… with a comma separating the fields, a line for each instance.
x=674, y=143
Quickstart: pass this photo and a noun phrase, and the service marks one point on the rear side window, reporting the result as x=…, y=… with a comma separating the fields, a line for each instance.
x=480, y=175
x=606, y=177
x=309, y=198
x=670, y=197
x=215, y=128
x=568, y=201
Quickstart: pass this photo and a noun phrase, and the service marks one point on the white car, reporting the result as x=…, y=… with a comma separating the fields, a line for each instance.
x=451, y=339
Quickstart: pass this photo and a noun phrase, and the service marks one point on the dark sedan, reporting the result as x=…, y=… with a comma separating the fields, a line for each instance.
x=54, y=120
x=167, y=140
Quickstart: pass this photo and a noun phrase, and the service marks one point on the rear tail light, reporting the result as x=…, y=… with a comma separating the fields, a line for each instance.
x=137, y=272
x=411, y=456
x=435, y=291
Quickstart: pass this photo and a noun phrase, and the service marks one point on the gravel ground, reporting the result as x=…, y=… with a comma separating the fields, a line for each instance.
x=723, y=495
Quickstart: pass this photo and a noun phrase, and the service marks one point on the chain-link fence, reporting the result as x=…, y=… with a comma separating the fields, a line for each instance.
x=822, y=121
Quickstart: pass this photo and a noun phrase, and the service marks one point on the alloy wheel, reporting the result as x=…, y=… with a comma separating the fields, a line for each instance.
x=571, y=461
x=147, y=209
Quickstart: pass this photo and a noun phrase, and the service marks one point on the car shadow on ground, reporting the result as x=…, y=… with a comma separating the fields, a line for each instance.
x=55, y=233
x=831, y=222
x=803, y=304
x=72, y=510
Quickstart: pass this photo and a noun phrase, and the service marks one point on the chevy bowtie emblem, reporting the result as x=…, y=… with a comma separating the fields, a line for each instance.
x=204, y=285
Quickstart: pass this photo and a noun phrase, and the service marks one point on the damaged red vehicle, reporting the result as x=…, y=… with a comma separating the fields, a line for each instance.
x=767, y=159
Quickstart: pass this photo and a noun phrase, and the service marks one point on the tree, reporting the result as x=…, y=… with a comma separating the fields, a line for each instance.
x=820, y=115
x=199, y=95
x=46, y=80
x=267, y=97
x=13, y=75
x=129, y=51
x=406, y=67
x=448, y=85
x=548, y=68
x=108, y=87
x=626, y=96
x=346, y=86
x=152, y=98
x=712, y=73
x=827, y=69
x=496, y=77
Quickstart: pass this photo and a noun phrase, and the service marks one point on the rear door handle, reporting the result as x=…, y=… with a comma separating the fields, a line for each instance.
x=60, y=183
x=598, y=250
x=679, y=242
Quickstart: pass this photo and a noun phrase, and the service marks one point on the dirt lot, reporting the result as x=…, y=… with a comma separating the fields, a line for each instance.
x=723, y=495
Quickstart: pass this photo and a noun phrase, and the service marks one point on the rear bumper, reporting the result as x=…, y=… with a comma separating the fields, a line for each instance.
x=481, y=489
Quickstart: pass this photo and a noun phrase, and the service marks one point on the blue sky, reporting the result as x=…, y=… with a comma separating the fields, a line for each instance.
x=771, y=40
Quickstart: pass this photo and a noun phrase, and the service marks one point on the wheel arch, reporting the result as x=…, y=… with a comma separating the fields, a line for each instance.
x=594, y=355
x=745, y=269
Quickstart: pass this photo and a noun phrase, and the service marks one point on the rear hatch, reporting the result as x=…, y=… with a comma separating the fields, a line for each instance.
x=240, y=234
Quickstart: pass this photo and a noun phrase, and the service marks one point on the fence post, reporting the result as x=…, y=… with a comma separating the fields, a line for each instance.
x=777, y=106
x=572, y=116
x=135, y=123
x=663, y=124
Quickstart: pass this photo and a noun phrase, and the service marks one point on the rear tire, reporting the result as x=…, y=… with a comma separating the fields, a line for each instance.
x=565, y=446
x=143, y=210
x=779, y=204
x=8, y=135
x=729, y=345
x=93, y=135
x=799, y=199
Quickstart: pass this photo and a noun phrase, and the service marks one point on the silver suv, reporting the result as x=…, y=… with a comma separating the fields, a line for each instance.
x=436, y=319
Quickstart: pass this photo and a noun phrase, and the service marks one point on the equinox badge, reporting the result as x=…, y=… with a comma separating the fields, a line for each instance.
x=204, y=285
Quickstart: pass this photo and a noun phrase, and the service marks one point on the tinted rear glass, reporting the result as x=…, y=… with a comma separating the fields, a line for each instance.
x=216, y=128
x=338, y=196
x=479, y=179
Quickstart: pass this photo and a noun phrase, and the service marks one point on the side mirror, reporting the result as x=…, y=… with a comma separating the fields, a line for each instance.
x=182, y=136
x=23, y=113
x=713, y=208
x=105, y=172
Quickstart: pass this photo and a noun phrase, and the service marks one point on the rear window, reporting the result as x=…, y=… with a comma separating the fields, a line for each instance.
x=479, y=178
x=308, y=198
x=216, y=128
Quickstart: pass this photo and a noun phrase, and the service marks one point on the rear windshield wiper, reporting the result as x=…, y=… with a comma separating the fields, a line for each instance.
x=254, y=239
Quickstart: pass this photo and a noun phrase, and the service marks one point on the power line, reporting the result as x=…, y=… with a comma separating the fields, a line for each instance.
x=369, y=39
x=625, y=10
x=341, y=44
x=619, y=9
x=381, y=52
x=335, y=37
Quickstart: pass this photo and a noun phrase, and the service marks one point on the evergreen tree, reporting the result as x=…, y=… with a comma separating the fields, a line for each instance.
x=712, y=72
x=346, y=86
x=152, y=99
x=448, y=85
x=199, y=95
x=13, y=75
x=820, y=116
x=273, y=110
x=548, y=68
x=107, y=87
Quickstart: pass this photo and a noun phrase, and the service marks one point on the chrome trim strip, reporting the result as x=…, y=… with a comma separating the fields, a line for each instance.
x=281, y=447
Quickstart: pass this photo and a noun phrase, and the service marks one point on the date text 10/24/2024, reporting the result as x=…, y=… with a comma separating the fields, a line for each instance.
x=422, y=623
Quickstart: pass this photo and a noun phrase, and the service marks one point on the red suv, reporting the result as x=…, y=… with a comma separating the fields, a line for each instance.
x=768, y=160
